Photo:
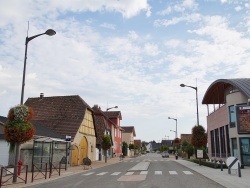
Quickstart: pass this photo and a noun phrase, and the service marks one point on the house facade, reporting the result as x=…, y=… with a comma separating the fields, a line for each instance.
x=128, y=137
x=4, y=146
x=228, y=125
x=115, y=117
x=68, y=116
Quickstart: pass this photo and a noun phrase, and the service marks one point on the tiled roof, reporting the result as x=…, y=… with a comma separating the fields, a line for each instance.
x=63, y=114
x=113, y=114
x=129, y=129
x=100, y=123
x=215, y=92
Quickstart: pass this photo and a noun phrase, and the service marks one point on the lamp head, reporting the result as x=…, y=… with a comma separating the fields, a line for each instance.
x=182, y=85
x=50, y=32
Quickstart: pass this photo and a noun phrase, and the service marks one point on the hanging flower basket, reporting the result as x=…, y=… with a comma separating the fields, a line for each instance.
x=18, y=128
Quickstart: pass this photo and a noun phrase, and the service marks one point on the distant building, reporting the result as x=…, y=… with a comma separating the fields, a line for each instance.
x=186, y=137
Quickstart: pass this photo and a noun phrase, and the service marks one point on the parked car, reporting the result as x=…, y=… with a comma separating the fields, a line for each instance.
x=165, y=154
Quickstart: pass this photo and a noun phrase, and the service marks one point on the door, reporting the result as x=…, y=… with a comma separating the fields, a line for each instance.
x=83, y=149
x=74, y=157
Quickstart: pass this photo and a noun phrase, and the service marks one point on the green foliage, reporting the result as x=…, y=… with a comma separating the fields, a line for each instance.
x=124, y=148
x=106, y=142
x=131, y=146
x=188, y=148
x=164, y=148
x=199, y=137
x=144, y=148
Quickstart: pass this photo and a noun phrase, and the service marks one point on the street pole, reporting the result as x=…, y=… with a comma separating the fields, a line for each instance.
x=49, y=32
x=197, y=109
x=176, y=135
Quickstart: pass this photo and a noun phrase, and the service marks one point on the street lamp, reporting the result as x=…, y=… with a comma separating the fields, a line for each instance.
x=111, y=108
x=196, y=89
x=176, y=135
x=111, y=132
x=49, y=32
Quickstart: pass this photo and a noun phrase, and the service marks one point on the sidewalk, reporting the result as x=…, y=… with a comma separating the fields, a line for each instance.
x=70, y=171
x=222, y=177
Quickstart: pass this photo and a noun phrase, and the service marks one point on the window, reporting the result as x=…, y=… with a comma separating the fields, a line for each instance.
x=245, y=150
x=232, y=116
x=217, y=143
x=223, y=143
x=228, y=141
x=234, y=147
x=212, y=143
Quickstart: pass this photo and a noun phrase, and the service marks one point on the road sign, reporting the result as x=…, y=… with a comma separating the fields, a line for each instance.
x=233, y=163
x=200, y=154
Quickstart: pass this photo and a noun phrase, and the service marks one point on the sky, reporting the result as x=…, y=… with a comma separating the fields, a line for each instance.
x=133, y=54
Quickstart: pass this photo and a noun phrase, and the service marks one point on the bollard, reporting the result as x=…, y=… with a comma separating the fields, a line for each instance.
x=239, y=172
x=20, y=163
x=214, y=163
x=221, y=166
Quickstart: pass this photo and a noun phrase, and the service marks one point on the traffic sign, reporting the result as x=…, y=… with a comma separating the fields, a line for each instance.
x=233, y=163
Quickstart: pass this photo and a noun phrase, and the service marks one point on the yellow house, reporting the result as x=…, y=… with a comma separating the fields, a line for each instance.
x=69, y=116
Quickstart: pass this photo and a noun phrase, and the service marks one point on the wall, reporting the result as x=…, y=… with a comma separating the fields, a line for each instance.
x=4, y=154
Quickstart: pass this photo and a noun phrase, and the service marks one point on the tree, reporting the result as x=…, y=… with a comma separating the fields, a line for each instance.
x=164, y=148
x=199, y=137
x=106, y=144
x=188, y=148
x=124, y=148
x=131, y=146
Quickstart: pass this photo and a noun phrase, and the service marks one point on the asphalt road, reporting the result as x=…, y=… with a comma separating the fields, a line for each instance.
x=161, y=173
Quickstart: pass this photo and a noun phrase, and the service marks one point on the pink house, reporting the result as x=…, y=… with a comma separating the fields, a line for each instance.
x=116, y=130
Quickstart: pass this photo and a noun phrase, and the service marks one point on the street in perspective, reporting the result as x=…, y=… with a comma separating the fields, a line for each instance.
x=146, y=171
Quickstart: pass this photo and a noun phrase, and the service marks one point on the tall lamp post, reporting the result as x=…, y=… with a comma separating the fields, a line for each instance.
x=176, y=135
x=111, y=129
x=196, y=89
x=49, y=32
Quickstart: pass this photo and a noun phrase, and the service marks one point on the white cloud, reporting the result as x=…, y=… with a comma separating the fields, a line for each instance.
x=133, y=35
x=180, y=7
x=151, y=49
x=192, y=18
x=238, y=8
x=108, y=26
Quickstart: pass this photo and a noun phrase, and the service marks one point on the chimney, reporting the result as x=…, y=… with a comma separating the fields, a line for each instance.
x=41, y=95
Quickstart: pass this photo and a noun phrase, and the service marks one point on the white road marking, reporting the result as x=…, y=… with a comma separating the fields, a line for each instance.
x=101, y=174
x=144, y=172
x=87, y=174
x=172, y=172
x=158, y=172
x=115, y=173
x=187, y=172
x=129, y=173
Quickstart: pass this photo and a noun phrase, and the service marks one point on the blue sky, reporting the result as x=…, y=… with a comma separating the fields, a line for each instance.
x=133, y=54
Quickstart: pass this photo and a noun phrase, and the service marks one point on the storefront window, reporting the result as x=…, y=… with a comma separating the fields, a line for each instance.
x=232, y=116
x=245, y=151
x=234, y=147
